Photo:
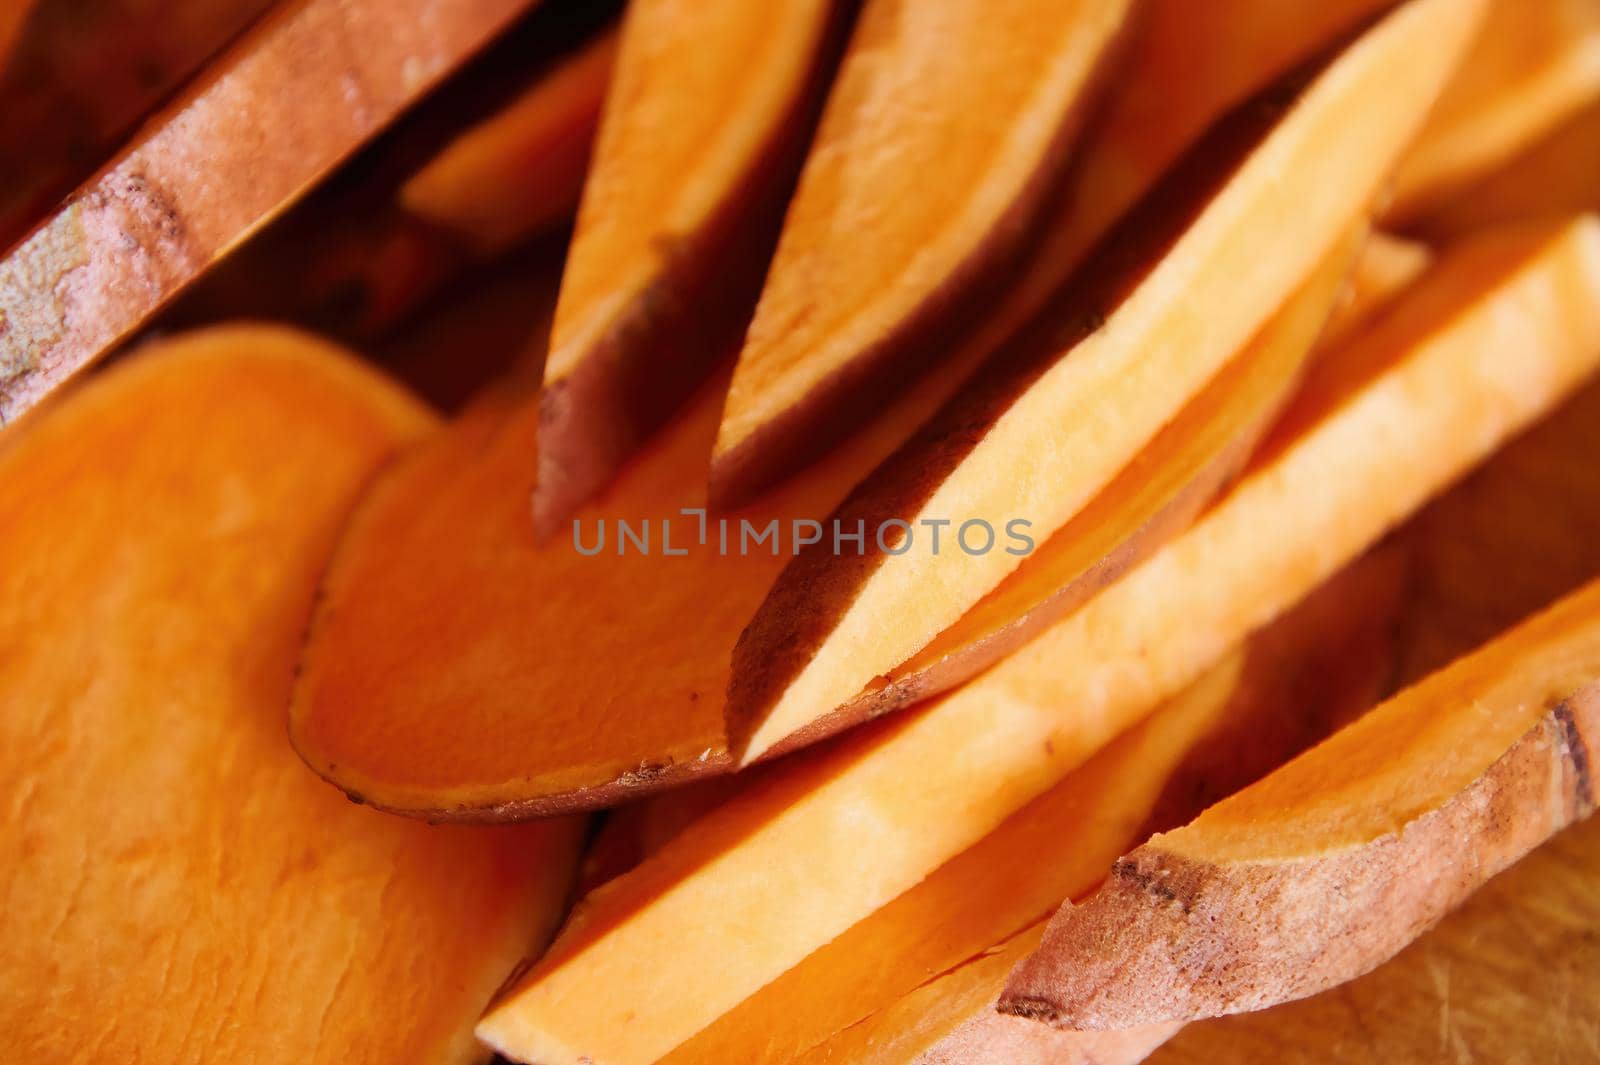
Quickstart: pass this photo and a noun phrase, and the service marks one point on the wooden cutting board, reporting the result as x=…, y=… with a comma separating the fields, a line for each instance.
x=1512, y=977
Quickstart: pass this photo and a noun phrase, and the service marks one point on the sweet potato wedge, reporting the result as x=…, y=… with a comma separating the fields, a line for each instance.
x=1534, y=66
x=945, y=128
x=1332, y=864
x=218, y=162
x=702, y=135
x=1292, y=684
x=442, y=689
x=1516, y=954
x=521, y=170
x=1157, y=496
x=1498, y=334
x=1556, y=176
x=1179, y=289
x=165, y=526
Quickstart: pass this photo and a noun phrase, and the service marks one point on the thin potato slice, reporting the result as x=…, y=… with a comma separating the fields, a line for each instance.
x=711, y=105
x=178, y=887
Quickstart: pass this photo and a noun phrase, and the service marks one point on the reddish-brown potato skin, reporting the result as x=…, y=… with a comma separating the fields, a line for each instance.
x=222, y=160
x=1172, y=939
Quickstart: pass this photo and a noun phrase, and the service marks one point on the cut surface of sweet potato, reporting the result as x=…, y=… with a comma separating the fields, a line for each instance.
x=443, y=716
x=521, y=170
x=1157, y=496
x=1332, y=864
x=166, y=524
x=710, y=107
x=1292, y=684
x=204, y=173
x=945, y=127
x=1534, y=66
x=1052, y=419
x=1555, y=176
x=1378, y=429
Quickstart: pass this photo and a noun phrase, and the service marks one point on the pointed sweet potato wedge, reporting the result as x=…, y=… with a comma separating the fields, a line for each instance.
x=946, y=125
x=165, y=527
x=465, y=727
x=1534, y=66
x=522, y=169
x=1335, y=862
x=1179, y=289
x=221, y=160
x=1290, y=686
x=1556, y=176
x=1156, y=497
x=710, y=109
x=1498, y=334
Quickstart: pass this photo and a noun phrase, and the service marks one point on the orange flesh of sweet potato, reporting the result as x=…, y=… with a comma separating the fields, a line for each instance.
x=1291, y=685
x=1420, y=399
x=432, y=712
x=522, y=170
x=1332, y=864
x=945, y=127
x=1556, y=176
x=202, y=175
x=1157, y=496
x=1053, y=418
x=710, y=106
x=1534, y=66
x=178, y=886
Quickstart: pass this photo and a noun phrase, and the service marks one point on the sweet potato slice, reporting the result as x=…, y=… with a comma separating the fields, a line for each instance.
x=521, y=170
x=1332, y=864
x=220, y=161
x=1180, y=288
x=1556, y=176
x=1534, y=67
x=1157, y=496
x=711, y=107
x=1518, y=954
x=165, y=526
x=428, y=712
x=1292, y=684
x=1497, y=335
x=944, y=129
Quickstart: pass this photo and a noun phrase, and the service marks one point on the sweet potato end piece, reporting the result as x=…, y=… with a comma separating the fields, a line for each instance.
x=1327, y=868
